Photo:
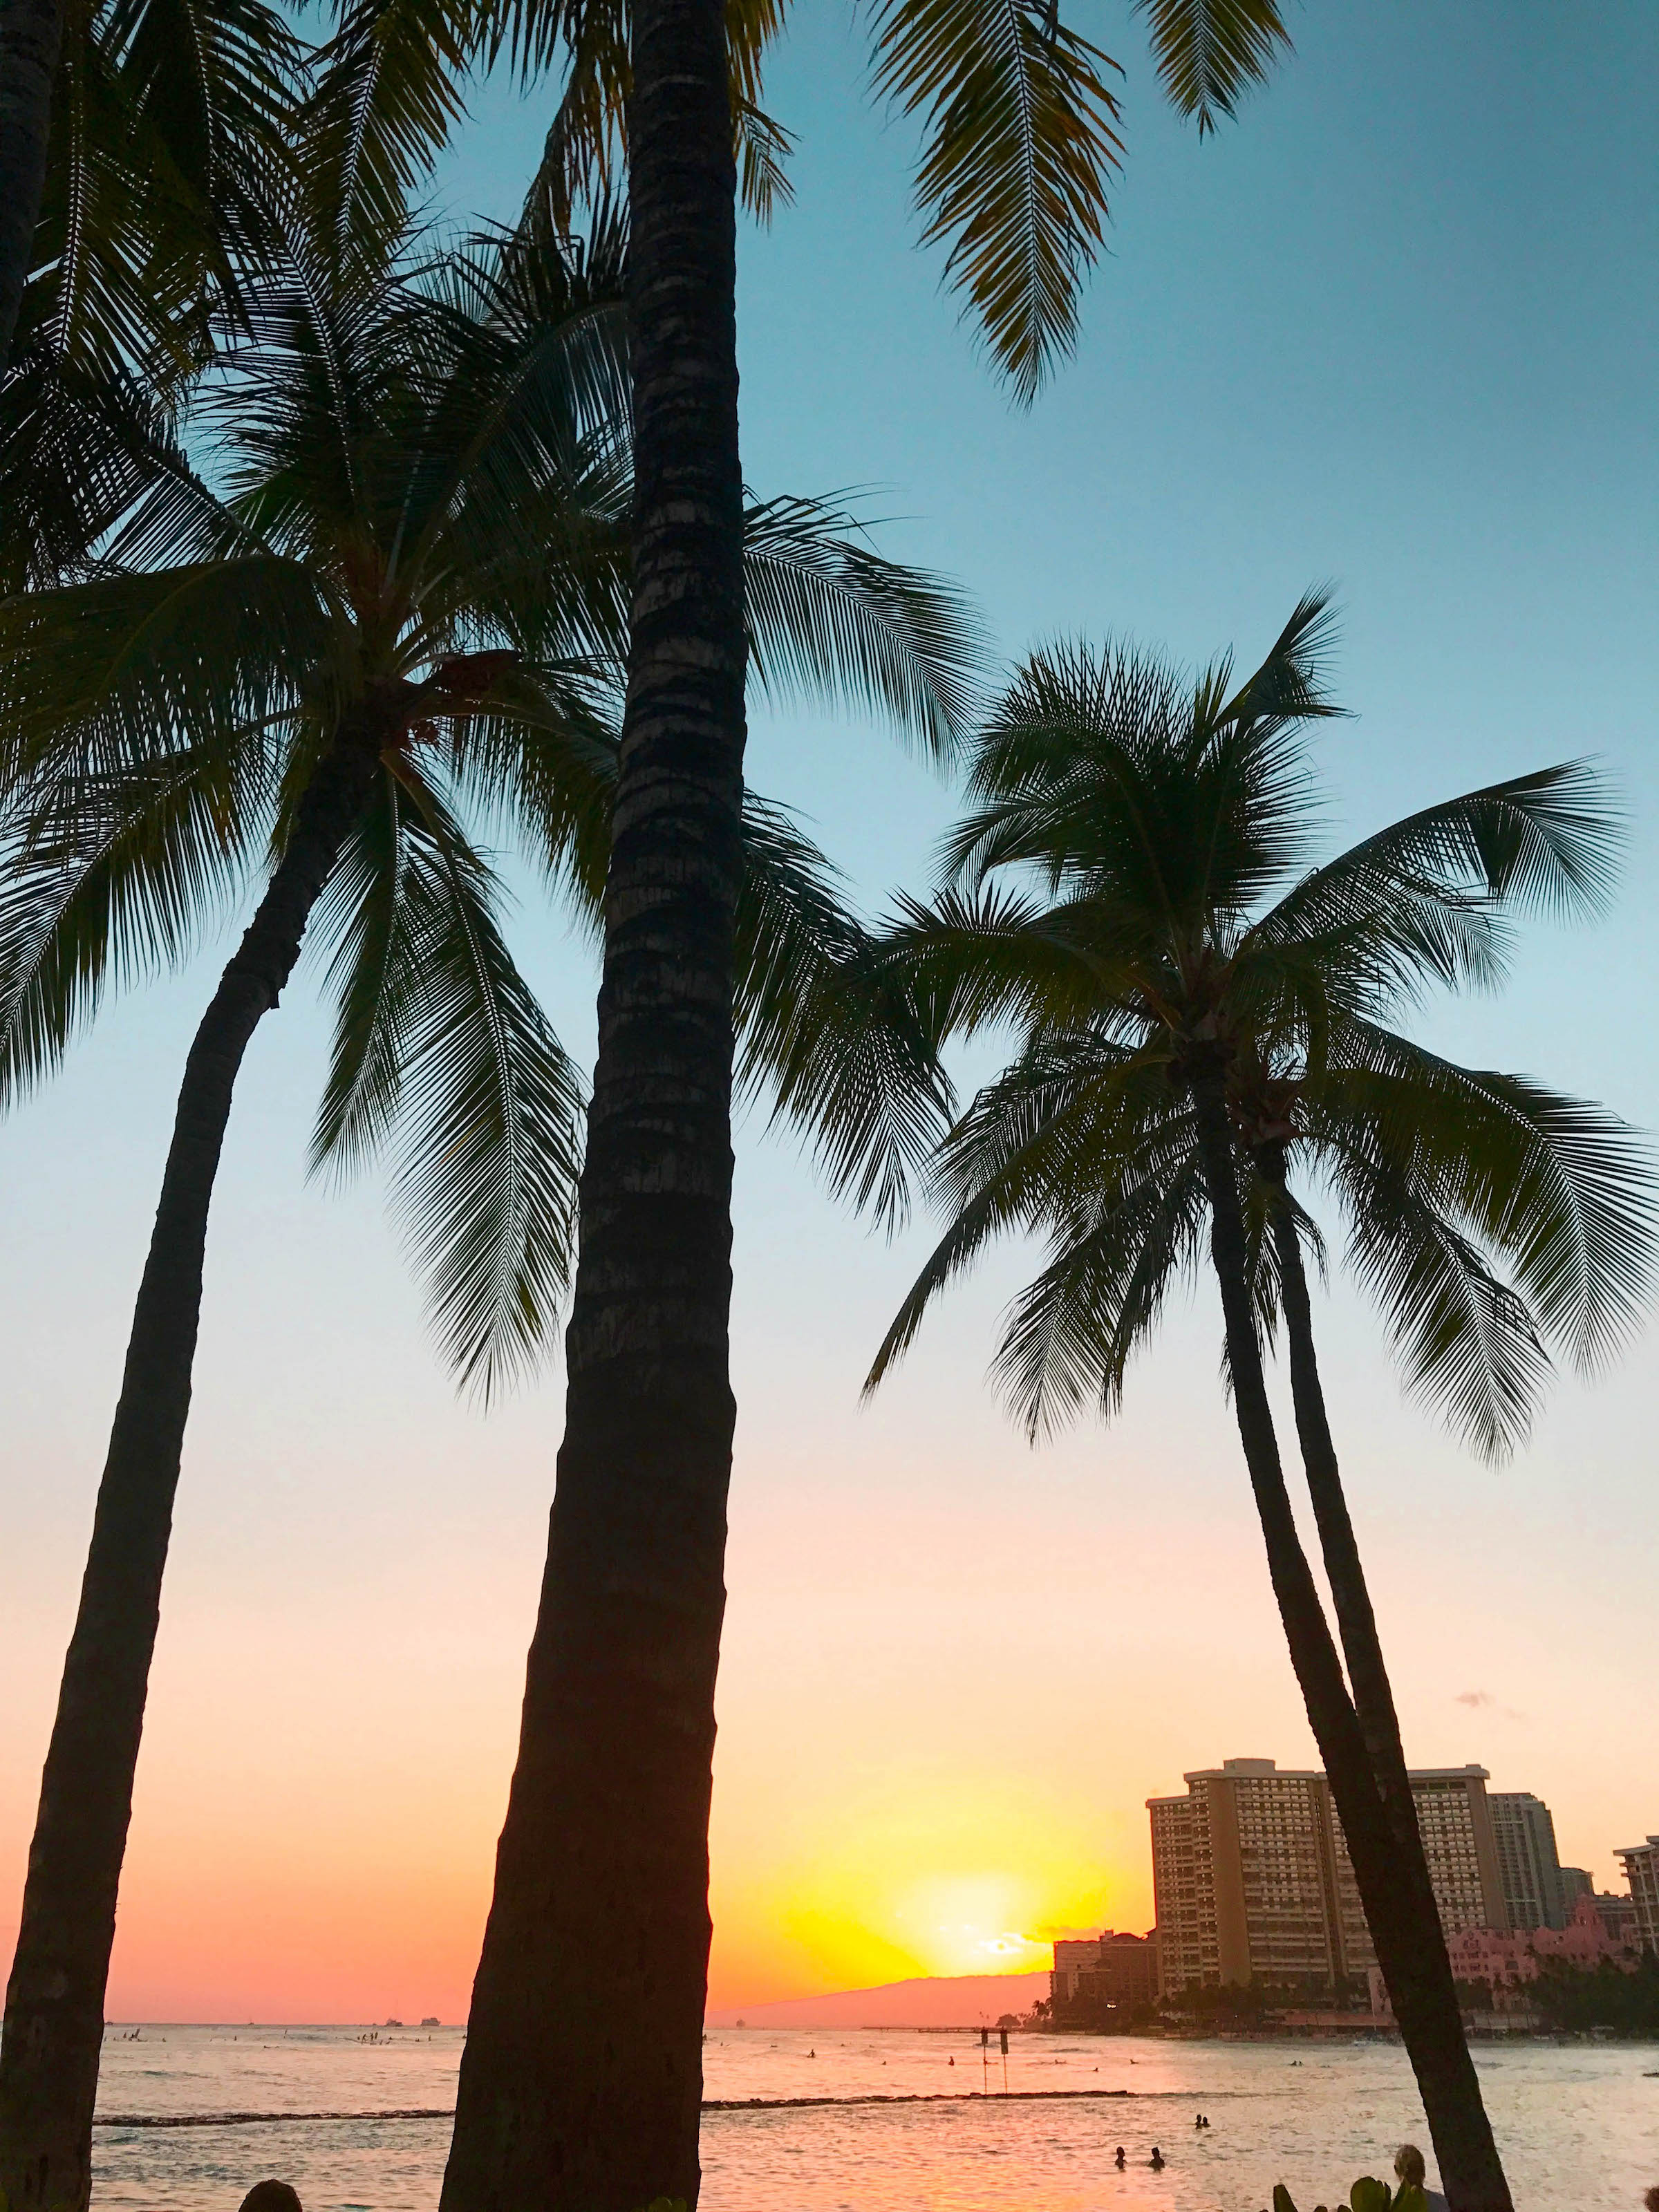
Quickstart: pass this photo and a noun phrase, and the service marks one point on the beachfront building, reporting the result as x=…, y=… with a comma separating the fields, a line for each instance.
x=1110, y=1972
x=1252, y=1881
x=1576, y=1883
x=1454, y=1816
x=1619, y=1915
x=1528, y=1864
x=1244, y=1875
x=1641, y=1865
x=1505, y=1963
x=1073, y=1954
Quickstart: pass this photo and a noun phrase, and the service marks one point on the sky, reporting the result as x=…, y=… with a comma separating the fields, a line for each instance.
x=1396, y=328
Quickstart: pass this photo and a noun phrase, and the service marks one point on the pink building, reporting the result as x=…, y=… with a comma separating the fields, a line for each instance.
x=1506, y=1961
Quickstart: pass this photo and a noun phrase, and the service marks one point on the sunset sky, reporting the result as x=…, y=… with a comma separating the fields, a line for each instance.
x=1396, y=328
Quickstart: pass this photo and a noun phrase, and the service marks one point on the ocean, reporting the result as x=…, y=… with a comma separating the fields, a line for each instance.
x=1579, y=2123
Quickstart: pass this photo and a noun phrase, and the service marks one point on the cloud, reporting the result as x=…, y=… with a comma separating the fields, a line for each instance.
x=1479, y=1701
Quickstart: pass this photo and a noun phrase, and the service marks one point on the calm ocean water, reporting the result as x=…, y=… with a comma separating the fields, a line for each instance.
x=1579, y=2124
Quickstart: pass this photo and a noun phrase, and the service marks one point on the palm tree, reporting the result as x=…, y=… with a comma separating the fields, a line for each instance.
x=581, y=2083
x=405, y=602
x=1197, y=1035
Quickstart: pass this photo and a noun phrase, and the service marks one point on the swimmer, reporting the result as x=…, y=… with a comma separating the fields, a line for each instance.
x=271, y=2196
x=1156, y=2162
x=1119, y=2159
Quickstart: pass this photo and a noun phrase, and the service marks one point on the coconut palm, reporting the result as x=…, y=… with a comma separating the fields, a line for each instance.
x=398, y=607
x=581, y=2083
x=1207, y=1034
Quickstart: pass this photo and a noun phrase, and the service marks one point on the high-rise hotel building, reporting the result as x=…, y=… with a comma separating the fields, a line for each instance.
x=1641, y=1865
x=1534, y=1889
x=1252, y=1881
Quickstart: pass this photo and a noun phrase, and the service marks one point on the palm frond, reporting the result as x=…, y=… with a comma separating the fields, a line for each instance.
x=829, y=617
x=1019, y=122
x=538, y=759
x=1074, y=1329
x=980, y=958
x=1292, y=684
x=826, y=1027
x=1466, y=1342
x=388, y=91
x=109, y=876
x=764, y=146
x=763, y=150
x=1210, y=51
x=962, y=1242
x=441, y=1047
x=111, y=672
x=1548, y=840
x=1563, y=1192
x=82, y=443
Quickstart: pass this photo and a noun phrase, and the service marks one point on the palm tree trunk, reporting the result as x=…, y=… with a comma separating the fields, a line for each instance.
x=581, y=2085
x=1469, y=2168
x=1373, y=1695
x=31, y=35
x=54, y=2022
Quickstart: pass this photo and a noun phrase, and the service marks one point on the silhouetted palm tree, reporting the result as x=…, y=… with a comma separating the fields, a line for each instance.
x=581, y=2083
x=1201, y=1025
x=405, y=604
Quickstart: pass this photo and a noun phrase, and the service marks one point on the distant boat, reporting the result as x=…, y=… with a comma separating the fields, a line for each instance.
x=392, y=2023
x=432, y=2021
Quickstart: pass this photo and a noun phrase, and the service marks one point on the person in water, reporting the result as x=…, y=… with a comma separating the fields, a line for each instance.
x=1156, y=2162
x=1651, y=2200
x=1120, y=2158
x=271, y=2196
x=1410, y=2173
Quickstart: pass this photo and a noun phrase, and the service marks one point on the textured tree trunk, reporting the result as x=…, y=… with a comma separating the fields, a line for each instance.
x=581, y=2081
x=31, y=35
x=54, y=2024
x=1417, y=1975
x=1373, y=1695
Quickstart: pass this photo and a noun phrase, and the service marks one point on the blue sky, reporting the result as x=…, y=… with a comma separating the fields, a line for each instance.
x=1396, y=328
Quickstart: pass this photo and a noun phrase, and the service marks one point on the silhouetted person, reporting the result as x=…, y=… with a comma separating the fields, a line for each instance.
x=1651, y=2200
x=1156, y=2162
x=1119, y=2159
x=271, y=2196
x=1411, y=2172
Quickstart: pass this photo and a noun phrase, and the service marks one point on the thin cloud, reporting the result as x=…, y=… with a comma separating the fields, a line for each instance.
x=1481, y=1701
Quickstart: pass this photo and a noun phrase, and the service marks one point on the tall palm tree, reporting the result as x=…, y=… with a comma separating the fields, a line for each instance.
x=581, y=2083
x=1197, y=1034
x=404, y=603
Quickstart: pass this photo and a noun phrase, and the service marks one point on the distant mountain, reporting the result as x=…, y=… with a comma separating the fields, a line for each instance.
x=953, y=2001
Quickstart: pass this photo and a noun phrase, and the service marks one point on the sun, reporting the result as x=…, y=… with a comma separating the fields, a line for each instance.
x=971, y=1923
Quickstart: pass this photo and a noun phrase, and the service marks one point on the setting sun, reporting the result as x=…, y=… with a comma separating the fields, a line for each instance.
x=957, y=1875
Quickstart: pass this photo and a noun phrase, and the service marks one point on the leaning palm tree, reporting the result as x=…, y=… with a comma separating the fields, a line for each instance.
x=581, y=2084
x=401, y=602
x=1199, y=1036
